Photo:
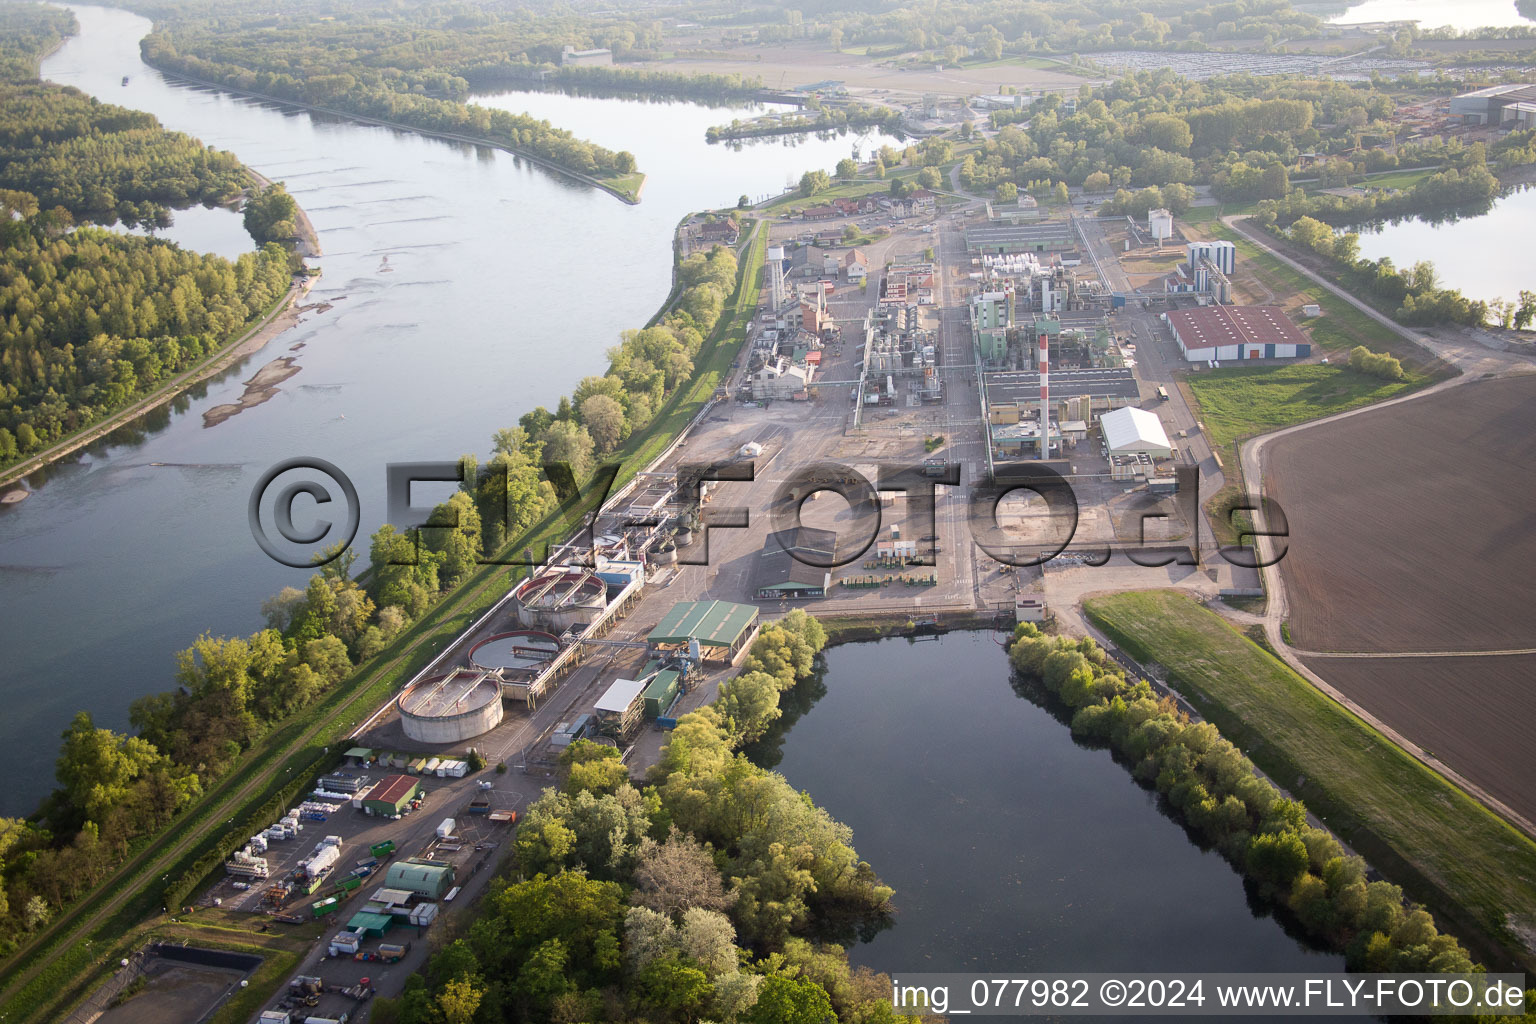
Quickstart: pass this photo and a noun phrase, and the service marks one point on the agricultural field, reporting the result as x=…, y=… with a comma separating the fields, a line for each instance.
x=1411, y=525
x=1423, y=832
x=1472, y=713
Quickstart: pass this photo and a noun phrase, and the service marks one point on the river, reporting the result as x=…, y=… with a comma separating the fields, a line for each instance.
x=1010, y=847
x=1460, y=249
x=466, y=286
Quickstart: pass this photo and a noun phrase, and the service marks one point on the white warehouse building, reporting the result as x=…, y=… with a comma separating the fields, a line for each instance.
x=1132, y=431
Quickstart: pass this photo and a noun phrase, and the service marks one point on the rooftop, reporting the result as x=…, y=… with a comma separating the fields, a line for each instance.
x=1131, y=427
x=712, y=623
x=1101, y=382
x=778, y=567
x=1207, y=326
x=620, y=696
x=392, y=789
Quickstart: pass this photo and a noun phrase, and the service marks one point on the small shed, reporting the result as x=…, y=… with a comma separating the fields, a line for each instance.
x=392, y=795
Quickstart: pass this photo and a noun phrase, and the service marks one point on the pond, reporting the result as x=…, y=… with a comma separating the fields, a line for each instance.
x=1010, y=846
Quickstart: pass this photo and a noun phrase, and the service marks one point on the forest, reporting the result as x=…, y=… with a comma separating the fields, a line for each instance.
x=92, y=319
x=705, y=893
x=402, y=65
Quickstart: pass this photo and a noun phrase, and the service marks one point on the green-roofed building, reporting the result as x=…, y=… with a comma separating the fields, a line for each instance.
x=720, y=627
x=366, y=923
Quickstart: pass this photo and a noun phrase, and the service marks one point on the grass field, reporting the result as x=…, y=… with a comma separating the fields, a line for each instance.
x=1239, y=402
x=1470, y=867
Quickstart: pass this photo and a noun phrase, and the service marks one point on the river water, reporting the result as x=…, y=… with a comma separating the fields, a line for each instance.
x=466, y=287
x=1010, y=847
x=1461, y=249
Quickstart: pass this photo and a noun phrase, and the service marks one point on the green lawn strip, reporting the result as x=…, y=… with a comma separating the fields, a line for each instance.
x=1446, y=849
x=406, y=656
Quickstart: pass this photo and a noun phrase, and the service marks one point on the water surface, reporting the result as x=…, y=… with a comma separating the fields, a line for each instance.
x=1010, y=846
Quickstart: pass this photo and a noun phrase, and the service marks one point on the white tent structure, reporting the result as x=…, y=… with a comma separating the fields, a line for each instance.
x=1132, y=431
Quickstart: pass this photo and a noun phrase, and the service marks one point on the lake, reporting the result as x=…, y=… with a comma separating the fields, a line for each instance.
x=1461, y=15
x=1010, y=846
x=1461, y=249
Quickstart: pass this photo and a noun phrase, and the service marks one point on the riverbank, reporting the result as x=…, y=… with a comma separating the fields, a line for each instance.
x=630, y=196
x=36, y=988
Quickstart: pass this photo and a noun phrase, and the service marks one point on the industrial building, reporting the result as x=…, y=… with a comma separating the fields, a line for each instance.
x=620, y=707
x=429, y=878
x=1040, y=236
x=787, y=567
x=1511, y=105
x=1107, y=384
x=392, y=795
x=1209, y=333
x=1132, y=431
x=780, y=379
x=721, y=629
x=1221, y=253
x=451, y=708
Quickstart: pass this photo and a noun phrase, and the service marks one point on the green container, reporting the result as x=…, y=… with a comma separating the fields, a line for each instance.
x=380, y=849
x=660, y=694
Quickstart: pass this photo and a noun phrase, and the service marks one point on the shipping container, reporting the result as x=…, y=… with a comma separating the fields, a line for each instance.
x=326, y=906
x=431, y=766
x=445, y=829
x=380, y=849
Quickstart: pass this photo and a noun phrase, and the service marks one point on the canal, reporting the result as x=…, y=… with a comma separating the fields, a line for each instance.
x=464, y=285
x=1010, y=846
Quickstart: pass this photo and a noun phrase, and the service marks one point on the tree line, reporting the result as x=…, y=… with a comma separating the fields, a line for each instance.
x=344, y=91
x=693, y=896
x=1215, y=790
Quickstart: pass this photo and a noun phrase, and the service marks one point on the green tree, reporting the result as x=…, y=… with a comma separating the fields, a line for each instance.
x=847, y=169
x=812, y=182
x=782, y=1000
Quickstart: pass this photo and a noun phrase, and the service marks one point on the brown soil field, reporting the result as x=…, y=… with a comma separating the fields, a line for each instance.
x=1472, y=713
x=1412, y=527
x=788, y=65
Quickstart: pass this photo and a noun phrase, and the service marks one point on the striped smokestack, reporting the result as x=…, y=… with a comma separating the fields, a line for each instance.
x=1045, y=396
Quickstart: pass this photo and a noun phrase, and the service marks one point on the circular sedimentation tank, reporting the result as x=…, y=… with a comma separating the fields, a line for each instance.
x=450, y=708
x=523, y=649
x=560, y=599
